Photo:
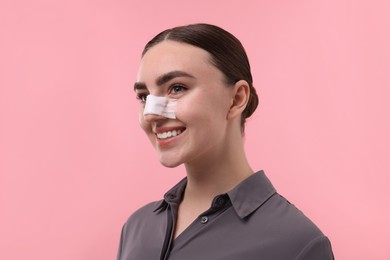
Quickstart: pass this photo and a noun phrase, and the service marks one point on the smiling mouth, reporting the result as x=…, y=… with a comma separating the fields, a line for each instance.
x=169, y=134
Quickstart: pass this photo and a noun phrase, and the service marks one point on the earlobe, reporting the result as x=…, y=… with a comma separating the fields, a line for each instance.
x=240, y=97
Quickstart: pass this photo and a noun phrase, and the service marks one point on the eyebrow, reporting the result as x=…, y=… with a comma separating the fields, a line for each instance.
x=164, y=79
x=139, y=86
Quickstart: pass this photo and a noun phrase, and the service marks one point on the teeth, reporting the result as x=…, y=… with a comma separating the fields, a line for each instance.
x=169, y=134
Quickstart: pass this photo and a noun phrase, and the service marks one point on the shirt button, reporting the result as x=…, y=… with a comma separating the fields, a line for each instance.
x=204, y=220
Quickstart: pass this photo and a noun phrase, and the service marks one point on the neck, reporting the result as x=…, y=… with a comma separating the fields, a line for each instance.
x=213, y=175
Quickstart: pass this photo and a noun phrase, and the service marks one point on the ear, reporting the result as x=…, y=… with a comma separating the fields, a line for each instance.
x=240, y=97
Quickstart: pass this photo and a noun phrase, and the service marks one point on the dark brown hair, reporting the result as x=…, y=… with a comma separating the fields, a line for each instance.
x=227, y=54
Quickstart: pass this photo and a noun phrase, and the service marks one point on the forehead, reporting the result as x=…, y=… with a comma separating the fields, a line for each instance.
x=173, y=56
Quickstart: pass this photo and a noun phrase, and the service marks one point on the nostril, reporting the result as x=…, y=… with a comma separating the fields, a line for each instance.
x=153, y=117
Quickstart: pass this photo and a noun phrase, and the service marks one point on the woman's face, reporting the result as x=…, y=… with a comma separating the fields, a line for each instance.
x=184, y=72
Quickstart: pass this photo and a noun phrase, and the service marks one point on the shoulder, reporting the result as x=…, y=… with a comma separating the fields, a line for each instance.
x=293, y=230
x=318, y=248
x=143, y=222
x=144, y=213
x=141, y=228
x=285, y=216
x=141, y=217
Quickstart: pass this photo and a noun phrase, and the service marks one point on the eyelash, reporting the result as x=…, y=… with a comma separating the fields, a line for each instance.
x=142, y=96
x=174, y=92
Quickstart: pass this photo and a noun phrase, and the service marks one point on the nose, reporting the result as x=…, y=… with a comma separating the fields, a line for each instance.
x=151, y=118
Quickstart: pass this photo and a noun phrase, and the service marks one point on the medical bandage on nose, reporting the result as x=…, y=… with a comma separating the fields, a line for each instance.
x=160, y=106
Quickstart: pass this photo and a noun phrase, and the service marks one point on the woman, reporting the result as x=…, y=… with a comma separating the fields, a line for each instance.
x=195, y=87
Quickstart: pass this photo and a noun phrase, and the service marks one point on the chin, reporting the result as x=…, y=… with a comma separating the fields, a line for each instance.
x=170, y=162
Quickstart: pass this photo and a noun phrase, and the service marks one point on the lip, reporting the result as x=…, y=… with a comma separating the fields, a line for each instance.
x=167, y=142
x=167, y=129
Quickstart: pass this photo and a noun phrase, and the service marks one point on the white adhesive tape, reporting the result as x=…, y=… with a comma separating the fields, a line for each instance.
x=162, y=106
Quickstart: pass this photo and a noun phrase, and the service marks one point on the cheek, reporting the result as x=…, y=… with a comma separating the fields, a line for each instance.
x=196, y=110
x=179, y=109
x=140, y=115
x=141, y=119
x=186, y=110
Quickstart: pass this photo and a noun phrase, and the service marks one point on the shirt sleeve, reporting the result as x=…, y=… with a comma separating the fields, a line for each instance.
x=318, y=249
x=120, y=244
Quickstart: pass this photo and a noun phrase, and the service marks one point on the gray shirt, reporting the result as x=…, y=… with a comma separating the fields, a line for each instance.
x=252, y=221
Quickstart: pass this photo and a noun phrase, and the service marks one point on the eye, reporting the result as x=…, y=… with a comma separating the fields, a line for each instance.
x=142, y=97
x=176, y=89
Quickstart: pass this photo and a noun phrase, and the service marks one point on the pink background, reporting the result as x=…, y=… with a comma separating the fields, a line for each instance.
x=74, y=164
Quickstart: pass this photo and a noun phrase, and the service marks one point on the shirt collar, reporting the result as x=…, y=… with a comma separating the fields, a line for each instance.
x=174, y=195
x=251, y=193
x=246, y=197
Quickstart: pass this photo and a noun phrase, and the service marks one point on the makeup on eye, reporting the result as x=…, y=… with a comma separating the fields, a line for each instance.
x=174, y=89
x=142, y=97
x=177, y=89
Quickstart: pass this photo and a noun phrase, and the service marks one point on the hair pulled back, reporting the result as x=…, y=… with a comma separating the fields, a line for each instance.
x=227, y=54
